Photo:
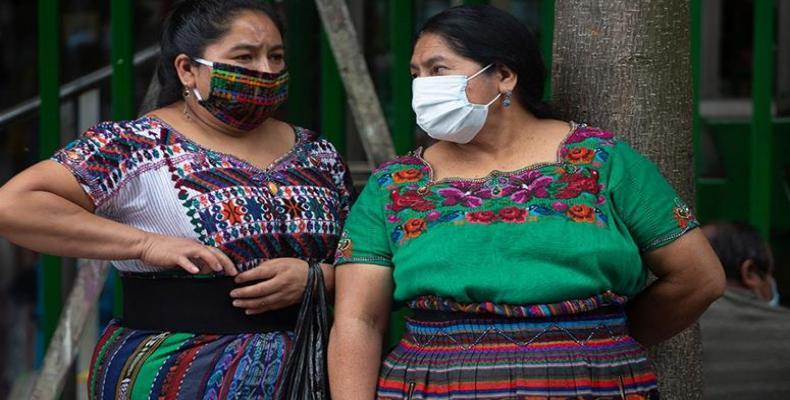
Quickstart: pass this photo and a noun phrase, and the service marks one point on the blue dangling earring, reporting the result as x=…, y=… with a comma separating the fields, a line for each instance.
x=507, y=100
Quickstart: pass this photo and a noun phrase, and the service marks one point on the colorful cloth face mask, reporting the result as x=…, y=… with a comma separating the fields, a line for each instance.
x=241, y=97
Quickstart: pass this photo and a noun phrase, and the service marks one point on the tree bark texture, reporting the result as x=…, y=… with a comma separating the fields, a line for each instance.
x=362, y=98
x=624, y=66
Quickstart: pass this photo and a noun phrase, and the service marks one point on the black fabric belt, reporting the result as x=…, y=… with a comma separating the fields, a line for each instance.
x=194, y=305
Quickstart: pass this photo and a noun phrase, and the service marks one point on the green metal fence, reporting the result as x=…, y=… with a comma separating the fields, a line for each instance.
x=309, y=56
x=50, y=294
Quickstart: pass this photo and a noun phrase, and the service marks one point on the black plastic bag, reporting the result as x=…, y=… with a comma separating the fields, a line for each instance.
x=305, y=375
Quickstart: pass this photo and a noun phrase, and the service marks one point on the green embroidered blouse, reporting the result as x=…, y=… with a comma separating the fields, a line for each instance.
x=565, y=230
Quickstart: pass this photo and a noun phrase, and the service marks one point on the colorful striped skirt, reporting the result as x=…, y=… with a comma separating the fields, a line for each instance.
x=137, y=364
x=570, y=350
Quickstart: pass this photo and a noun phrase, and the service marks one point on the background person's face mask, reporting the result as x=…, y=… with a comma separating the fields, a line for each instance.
x=774, y=302
x=443, y=109
x=241, y=97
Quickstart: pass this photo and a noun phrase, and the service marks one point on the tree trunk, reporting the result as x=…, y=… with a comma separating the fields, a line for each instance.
x=362, y=98
x=623, y=65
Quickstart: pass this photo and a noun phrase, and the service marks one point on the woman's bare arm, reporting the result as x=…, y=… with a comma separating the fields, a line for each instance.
x=46, y=210
x=690, y=278
x=362, y=305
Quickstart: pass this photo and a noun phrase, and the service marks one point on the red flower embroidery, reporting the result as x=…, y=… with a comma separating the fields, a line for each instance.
x=414, y=227
x=409, y=200
x=577, y=183
x=481, y=217
x=407, y=175
x=683, y=214
x=581, y=155
x=513, y=214
x=582, y=213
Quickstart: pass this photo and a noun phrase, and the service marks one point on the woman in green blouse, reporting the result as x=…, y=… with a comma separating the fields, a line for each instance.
x=521, y=242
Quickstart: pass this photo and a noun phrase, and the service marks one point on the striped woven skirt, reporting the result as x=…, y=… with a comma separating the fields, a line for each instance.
x=570, y=350
x=136, y=364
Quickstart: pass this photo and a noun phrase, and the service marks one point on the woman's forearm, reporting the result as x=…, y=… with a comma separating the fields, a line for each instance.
x=354, y=359
x=667, y=307
x=329, y=277
x=47, y=223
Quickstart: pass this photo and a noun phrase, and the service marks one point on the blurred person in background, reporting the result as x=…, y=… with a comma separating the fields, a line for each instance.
x=746, y=333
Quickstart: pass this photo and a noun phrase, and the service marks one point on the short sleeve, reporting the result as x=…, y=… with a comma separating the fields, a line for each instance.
x=341, y=177
x=96, y=159
x=364, y=238
x=345, y=188
x=649, y=206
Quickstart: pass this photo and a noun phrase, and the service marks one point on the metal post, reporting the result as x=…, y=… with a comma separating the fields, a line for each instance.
x=121, y=55
x=122, y=92
x=50, y=294
x=299, y=51
x=762, y=130
x=547, y=40
x=333, y=98
x=401, y=36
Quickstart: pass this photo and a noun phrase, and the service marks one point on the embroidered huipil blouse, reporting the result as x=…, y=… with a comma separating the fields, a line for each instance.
x=146, y=174
x=570, y=229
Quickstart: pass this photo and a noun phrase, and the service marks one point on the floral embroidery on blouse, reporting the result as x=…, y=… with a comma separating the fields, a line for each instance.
x=294, y=208
x=683, y=214
x=568, y=189
x=345, y=247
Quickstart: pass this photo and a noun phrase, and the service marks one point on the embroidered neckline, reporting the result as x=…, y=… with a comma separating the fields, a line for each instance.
x=418, y=155
x=298, y=145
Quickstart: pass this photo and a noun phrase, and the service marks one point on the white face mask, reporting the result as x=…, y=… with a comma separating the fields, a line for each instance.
x=443, y=109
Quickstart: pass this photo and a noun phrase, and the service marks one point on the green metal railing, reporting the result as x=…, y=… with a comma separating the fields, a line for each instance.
x=304, y=48
x=750, y=161
x=401, y=23
x=762, y=129
x=122, y=89
x=50, y=294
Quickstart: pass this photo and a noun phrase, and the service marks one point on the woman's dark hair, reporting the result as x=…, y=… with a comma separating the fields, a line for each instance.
x=193, y=25
x=735, y=243
x=489, y=35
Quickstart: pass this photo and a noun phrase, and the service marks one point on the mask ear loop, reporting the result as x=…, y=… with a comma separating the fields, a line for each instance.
x=197, y=94
x=475, y=76
x=206, y=63
x=495, y=99
x=479, y=72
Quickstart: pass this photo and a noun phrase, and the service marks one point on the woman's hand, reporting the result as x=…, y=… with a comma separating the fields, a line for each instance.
x=281, y=283
x=190, y=255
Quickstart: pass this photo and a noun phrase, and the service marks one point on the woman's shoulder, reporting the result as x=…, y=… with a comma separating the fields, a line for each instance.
x=589, y=144
x=315, y=146
x=313, y=140
x=583, y=133
x=591, y=136
x=410, y=160
x=613, y=156
x=117, y=137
